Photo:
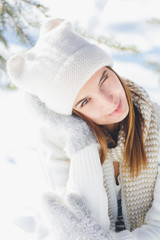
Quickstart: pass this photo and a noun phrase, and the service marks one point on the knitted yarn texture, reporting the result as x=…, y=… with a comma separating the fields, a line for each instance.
x=137, y=194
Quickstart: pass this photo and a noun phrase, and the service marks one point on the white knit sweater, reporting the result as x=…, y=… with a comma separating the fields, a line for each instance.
x=84, y=174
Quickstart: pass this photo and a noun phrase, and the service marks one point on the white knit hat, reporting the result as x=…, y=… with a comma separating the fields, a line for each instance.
x=58, y=66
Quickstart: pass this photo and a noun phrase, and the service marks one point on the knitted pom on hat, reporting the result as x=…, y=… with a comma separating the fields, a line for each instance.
x=58, y=66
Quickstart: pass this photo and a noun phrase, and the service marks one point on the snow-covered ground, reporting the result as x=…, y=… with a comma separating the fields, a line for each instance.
x=21, y=176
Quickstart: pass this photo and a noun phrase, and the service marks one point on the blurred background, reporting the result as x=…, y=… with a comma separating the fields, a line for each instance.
x=128, y=29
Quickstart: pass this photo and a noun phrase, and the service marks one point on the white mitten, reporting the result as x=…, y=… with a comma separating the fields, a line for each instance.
x=71, y=219
x=77, y=132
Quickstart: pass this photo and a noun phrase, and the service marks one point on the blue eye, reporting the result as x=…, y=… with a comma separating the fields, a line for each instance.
x=84, y=102
x=88, y=98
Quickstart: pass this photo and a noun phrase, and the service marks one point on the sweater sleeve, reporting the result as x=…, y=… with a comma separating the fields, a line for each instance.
x=86, y=177
x=53, y=159
x=81, y=173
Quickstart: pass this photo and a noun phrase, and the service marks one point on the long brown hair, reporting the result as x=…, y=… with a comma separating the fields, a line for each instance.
x=134, y=155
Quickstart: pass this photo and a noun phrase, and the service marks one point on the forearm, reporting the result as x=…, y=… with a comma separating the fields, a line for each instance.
x=86, y=177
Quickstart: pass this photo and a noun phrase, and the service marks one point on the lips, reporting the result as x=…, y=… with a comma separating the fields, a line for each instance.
x=117, y=111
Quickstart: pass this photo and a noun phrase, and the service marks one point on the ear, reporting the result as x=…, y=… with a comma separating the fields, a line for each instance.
x=53, y=23
x=15, y=66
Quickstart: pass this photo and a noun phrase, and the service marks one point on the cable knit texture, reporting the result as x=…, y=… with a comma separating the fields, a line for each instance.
x=137, y=194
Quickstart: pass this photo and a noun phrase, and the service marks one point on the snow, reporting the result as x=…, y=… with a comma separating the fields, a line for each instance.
x=21, y=175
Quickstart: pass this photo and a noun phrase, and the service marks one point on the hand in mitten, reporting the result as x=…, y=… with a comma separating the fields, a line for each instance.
x=71, y=219
x=77, y=132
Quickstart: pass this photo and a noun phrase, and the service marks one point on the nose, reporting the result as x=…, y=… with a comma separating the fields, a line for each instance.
x=108, y=98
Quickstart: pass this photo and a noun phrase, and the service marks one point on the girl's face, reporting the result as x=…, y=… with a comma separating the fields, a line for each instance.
x=104, y=99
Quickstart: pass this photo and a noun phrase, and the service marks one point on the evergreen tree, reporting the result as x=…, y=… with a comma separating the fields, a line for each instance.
x=16, y=15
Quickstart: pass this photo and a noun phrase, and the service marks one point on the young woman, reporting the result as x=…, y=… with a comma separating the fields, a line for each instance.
x=100, y=137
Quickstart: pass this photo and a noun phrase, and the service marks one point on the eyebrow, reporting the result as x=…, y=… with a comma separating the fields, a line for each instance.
x=103, y=74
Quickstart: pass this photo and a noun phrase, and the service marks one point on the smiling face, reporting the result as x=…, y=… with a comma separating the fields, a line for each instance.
x=104, y=99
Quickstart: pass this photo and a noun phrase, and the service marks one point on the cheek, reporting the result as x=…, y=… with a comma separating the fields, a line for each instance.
x=94, y=113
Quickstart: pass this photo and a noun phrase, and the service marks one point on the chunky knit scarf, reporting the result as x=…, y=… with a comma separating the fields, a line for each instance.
x=137, y=194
